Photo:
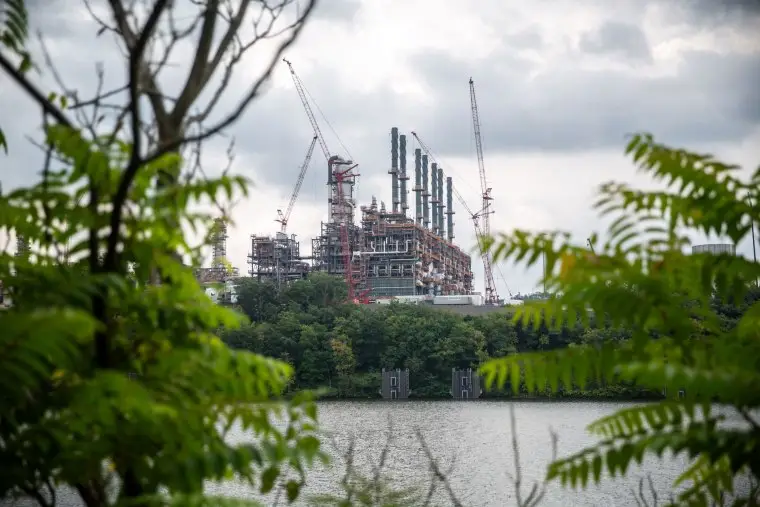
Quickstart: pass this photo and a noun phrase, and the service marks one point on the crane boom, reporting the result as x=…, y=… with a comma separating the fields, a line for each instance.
x=490, y=284
x=283, y=218
x=479, y=234
x=305, y=102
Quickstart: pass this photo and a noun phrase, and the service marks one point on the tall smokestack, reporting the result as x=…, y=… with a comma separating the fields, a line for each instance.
x=394, y=168
x=403, y=178
x=449, y=210
x=434, y=197
x=418, y=185
x=425, y=193
x=440, y=202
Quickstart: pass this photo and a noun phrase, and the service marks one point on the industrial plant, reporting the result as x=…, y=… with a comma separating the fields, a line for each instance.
x=402, y=251
x=388, y=252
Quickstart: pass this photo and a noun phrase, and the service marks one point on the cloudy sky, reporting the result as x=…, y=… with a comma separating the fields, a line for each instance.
x=559, y=83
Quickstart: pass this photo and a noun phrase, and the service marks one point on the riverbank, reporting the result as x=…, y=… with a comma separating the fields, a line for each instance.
x=557, y=397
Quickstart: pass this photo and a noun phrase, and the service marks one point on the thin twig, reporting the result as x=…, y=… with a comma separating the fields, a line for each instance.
x=32, y=90
x=436, y=471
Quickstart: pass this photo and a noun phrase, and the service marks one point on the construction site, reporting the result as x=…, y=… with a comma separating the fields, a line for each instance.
x=382, y=252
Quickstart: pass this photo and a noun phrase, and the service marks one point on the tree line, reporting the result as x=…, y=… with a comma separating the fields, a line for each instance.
x=344, y=347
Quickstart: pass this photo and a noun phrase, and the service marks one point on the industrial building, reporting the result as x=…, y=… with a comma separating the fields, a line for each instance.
x=388, y=253
x=394, y=384
x=218, y=280
x=277, y=259
x=465, y=384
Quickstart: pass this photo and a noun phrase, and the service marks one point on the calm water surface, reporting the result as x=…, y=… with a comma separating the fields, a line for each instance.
x=476, y=436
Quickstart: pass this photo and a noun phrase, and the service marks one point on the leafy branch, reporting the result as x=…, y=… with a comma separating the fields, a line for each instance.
x=641, y=279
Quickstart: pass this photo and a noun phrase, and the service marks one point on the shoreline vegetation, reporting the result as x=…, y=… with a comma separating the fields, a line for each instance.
x=341, y=348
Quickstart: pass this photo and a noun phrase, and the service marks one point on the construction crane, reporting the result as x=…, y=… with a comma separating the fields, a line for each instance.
x=336, y=178
x=310, y=114
x=283, y=218
x=490, y=284
x=341, y=177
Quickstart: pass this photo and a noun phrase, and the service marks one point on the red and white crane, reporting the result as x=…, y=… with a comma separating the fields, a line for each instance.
x=336, y=177
x=491, y=295
x=283, y=218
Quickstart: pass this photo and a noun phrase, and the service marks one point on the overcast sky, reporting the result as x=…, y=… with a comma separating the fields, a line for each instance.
x=559, y=85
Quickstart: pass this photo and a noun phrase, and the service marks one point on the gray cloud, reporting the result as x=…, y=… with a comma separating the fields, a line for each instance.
x=617, y=39
x=710, y=13
x=713, y=8
x=337, y=10
x=525, y=39
x=712, y=98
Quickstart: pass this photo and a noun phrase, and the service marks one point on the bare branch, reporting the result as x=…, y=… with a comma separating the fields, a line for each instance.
x=274, y=13
x=438, y=475
x=121, y=17
x=200, y=70
x=135, y=67
x=173, y=144
x=32, y=90
x=103, y=25
x=537, y=490
x=96, y=100
x=51, y=492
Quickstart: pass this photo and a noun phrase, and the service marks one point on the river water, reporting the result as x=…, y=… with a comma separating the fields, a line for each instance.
x=473, y=439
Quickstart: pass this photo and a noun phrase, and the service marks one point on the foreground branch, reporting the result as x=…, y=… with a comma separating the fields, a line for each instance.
x=33, y=92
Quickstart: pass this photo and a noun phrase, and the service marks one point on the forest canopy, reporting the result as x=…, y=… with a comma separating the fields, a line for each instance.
x=344, y=347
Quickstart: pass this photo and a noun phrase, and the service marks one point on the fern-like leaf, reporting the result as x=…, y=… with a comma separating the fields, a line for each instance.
x=36, y=348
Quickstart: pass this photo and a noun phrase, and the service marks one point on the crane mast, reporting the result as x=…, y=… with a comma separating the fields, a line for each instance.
x=336, y=179
x=490, y=285
x=309, y=113
x=284, y=217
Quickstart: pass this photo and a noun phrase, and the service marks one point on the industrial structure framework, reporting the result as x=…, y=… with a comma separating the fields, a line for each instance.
x=387, y=253
x=220, y=271
x=384, y=252
x=390, y=253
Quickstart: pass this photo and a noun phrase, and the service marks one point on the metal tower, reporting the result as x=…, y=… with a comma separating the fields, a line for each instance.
x=491, y=296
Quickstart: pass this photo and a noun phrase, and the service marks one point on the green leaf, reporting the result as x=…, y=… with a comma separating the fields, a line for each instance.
x=268, y=479
x=292, y=489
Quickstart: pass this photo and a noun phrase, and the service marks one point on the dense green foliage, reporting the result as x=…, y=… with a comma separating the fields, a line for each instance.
x=344, y=347
x=109, y=384
x=642, y=280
